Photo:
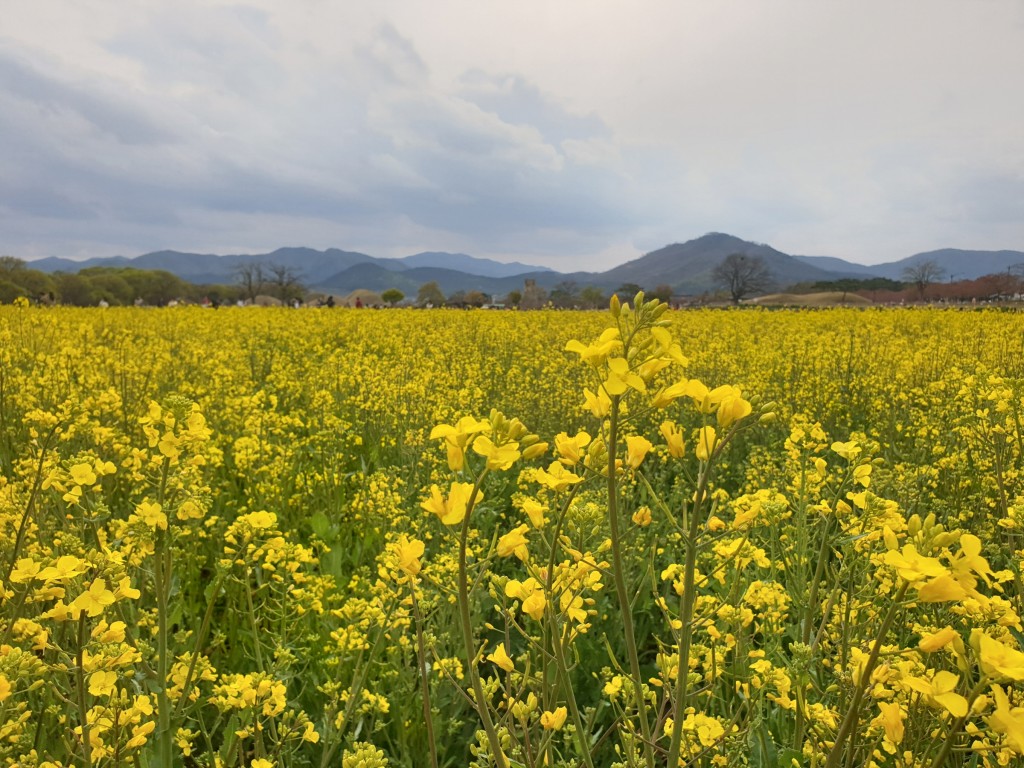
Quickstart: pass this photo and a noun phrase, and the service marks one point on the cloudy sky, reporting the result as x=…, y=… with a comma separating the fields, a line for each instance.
x=571, y=133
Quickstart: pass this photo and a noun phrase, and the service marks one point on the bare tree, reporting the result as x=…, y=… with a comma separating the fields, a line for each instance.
x=285, y=281
x=534, y=297
x=742, y=275
x=922, y=274
x=251, y=278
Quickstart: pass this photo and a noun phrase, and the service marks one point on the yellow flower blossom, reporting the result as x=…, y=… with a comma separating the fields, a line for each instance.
x=570, y=449
x=457, y=438
x=553, y=721
x=499, y=458
x=998, y=661
x=66, y=567
x=82, y=474
x=621, y=379
x=935, y=641
x=637, y=448
x=891, y=719
x=530, y=594
x=705, y=443
x=556, y=477
x=597, y=353
x=673, y=439
x=102, y=683
x=92, y=601
x=913, y=566
x=501, y=658
x=451, y=511
x=407, y=553
x=534, y=510
x=939, y=691
x=514, y=543
x=1008, y=721
x=599, y=404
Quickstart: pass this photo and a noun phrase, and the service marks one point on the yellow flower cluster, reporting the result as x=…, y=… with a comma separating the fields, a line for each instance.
x=732, y=537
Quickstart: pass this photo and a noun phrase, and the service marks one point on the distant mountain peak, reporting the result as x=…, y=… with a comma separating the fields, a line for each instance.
x=471, y=265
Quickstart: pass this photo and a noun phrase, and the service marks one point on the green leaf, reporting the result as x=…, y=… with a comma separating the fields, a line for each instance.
x=789, y=757
x=763, y=753
x=321, y=525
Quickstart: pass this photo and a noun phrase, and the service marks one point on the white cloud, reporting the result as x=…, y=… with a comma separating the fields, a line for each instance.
x=570, y=132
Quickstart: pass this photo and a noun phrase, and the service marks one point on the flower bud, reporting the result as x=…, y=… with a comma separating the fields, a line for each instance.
x=535, y=450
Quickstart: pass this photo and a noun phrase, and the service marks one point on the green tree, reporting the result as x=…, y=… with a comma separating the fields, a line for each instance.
x=392, y=296
x=662, y=293
x=593, y=297
x=475, y=299
x=75, y=289
x=109, y=285
x=22, y=281
x=430, y=294
x=627, y=291
x=564, y=295
x=155, y=287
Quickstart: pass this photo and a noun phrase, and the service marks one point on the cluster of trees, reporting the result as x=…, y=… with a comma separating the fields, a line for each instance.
x=121, y=286
x=565, y=295
x=114, y=285
x=925, y=281
x=849, y=285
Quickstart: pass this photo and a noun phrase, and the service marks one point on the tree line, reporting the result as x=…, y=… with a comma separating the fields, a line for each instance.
x=738, y=276
x=122, y=286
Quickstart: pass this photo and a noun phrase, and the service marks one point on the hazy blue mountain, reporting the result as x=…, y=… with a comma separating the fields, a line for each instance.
x=374, y=277
x=57, y=264
x=840, y=267
x=956, y=264
x=470, y=264
x=311, y=264
x=688, y=267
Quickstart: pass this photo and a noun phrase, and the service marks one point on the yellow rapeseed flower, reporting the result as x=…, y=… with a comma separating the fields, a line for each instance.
x=501, y=658
x=451, y=511
x=553, y=721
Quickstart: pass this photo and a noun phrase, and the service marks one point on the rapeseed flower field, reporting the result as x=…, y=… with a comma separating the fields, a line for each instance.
x=627, y=538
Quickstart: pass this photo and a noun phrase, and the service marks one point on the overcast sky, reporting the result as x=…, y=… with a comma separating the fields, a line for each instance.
x=569, y=133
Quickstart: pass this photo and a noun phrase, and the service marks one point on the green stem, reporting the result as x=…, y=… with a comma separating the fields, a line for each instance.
x=19, y=541
x=849, y=723
x=421, y=654
x=204, y=628
x=947, y=745
x=467, y=634
x=80, y=684
x=621, y=591
x=359, y=674
x=805, y=630
x=257, y=649
x=162, y=585
x=581, y=735
x=687, y=600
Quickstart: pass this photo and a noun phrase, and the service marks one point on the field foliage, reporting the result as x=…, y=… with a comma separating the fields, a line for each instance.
x=635, y=537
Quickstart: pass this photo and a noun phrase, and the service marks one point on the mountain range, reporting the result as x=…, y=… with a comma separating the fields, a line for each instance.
x=686, y=267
